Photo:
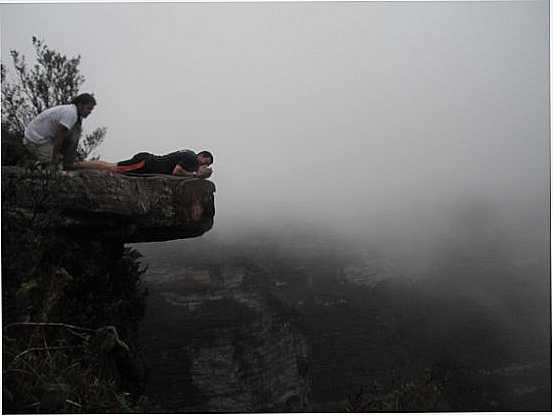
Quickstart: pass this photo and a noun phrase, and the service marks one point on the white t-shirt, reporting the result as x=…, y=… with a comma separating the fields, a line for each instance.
x=43, y=128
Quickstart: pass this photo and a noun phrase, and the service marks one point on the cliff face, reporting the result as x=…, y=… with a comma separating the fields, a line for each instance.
x=115, y=206
x=234, y=350
x=76, y=224
x=219, y=345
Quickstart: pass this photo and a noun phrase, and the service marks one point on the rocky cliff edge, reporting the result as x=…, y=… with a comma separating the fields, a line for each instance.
x=114, y=206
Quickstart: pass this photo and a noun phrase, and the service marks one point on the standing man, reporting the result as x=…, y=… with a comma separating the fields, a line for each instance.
x=53, y=136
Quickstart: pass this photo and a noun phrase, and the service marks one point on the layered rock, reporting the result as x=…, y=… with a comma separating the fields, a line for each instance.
x=114, y=206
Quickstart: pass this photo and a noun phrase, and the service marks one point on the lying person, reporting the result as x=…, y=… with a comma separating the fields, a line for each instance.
x=178, y=163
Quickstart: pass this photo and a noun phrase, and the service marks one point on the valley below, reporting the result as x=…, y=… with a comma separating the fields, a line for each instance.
x=317, y=325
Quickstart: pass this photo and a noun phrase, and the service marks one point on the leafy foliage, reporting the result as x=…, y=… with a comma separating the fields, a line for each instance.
x=422, y=394
x=49, y=277
x=90, y=142
x=53, y=80
x=13, y=150
x=61, y=368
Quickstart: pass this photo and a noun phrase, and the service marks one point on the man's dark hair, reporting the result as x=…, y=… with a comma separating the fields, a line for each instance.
x=206, y=153
x=84, y=99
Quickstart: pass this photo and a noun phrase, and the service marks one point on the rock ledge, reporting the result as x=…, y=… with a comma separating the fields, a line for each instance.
x=114, y=206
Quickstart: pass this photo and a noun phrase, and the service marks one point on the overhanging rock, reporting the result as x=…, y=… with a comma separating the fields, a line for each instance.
x=99, y=204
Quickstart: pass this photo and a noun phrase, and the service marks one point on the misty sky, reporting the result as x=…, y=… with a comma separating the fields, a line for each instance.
x=355, y=115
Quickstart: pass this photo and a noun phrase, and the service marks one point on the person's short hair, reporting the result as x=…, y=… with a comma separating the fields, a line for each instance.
x=84, y=99
x=206, y=153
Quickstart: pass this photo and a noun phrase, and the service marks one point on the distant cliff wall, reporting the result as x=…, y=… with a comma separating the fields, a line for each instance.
x=219, y=345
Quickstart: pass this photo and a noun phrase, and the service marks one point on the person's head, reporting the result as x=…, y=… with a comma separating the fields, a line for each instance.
x=205, y=158
x=85, y=104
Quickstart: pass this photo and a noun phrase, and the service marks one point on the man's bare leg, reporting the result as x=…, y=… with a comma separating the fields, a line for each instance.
x=95, y=165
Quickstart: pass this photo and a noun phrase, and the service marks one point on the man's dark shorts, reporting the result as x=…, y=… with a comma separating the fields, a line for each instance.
x=137, y=164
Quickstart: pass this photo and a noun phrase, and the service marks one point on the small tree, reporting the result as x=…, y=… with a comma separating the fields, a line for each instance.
x=54, y=80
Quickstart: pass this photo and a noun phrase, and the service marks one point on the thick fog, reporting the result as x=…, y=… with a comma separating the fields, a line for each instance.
x=401, y=124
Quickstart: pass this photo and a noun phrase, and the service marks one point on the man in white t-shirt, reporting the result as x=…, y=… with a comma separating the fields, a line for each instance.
x=53, y=135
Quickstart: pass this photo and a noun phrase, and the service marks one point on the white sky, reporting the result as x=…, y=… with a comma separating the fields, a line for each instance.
x=381, y=113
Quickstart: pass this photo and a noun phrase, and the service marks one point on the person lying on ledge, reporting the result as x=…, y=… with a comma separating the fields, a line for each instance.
x=178, y=163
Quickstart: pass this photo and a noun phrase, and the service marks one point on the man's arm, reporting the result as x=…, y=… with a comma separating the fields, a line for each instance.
x=204, y=172
x=181, y=171
x=61, y=133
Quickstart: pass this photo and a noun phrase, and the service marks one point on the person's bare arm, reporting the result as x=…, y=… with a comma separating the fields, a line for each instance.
x=204, y=172
x=180, y=171
x=61, y=133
